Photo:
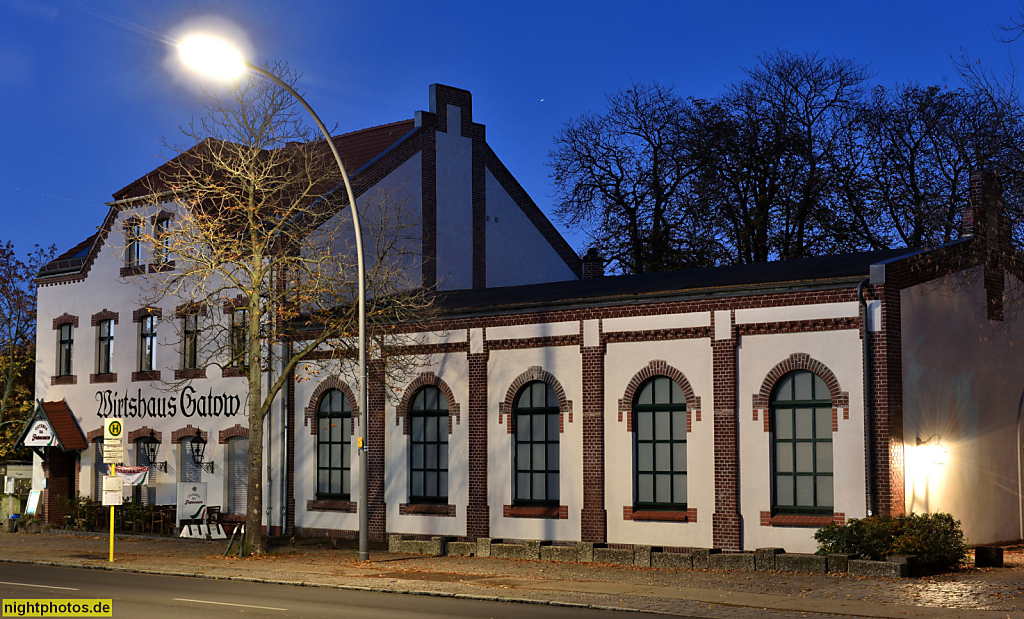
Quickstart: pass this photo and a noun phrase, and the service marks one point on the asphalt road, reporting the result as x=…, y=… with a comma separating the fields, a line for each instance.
x=144, y=595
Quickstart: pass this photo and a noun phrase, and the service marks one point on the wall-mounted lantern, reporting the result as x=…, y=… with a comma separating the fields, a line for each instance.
x=151, y=445
x=198, y=448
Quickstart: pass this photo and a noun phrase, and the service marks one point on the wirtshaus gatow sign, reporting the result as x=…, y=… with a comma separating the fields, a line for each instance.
x=188, y=403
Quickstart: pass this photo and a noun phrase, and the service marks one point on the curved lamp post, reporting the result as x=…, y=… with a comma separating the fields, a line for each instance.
x=219, y=59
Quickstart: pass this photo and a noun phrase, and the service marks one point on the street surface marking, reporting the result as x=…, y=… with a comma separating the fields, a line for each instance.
x=227, y=604
x=25, y=584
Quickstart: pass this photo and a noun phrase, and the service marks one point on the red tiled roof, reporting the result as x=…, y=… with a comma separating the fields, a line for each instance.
x=64, y=425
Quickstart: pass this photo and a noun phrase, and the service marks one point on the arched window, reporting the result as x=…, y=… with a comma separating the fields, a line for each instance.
x=659, y=445
x=189, y=471
x=802, y=445
x=143, y=495
x=334, y=446
x=535, y=444
x=428, y=441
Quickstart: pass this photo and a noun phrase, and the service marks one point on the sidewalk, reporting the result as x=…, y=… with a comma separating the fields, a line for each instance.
x=705, y=593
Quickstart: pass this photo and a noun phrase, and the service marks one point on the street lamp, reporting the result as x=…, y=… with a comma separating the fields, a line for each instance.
x=219, y=59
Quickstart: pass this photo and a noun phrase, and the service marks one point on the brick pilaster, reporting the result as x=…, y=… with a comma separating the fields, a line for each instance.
x=887, y=376
x=726, y=523
x=593, y=518
x=478, y=518
x=375, y=399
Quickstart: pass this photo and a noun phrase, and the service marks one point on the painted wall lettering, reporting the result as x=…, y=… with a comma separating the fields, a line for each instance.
x=188, y=402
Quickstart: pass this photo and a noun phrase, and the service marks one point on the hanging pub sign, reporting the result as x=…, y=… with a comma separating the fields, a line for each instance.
x=40, y=434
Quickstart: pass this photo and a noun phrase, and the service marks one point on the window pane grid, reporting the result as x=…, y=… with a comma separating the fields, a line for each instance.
x=659, y=445
x=535, y=452
x=334, y=445
x=802, y=454
x=239, y=338
x=190, y=342
x=66, y=344
x=104, y=347
x=428, y=462
x=147, y=344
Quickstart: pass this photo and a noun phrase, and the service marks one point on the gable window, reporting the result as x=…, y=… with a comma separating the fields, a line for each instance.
x=802, y=445
x=239, y=338
x=659, y=445
x=133, y=243
x=190, y=341
x=65, y=344
x=104, y=346
x=147, y=344
x=535, y=445
x=161, y=244
x=428, y=418
x=334, y=446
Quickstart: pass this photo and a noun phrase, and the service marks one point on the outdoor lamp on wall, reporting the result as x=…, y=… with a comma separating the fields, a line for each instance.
x=151, y=445
x=198, y=448
x=933, y=447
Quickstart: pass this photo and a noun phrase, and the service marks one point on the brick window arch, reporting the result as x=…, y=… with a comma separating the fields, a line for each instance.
x=801, y=361
x=658, y=367
x=535, y=372
x=331, y=382
x=424, y=380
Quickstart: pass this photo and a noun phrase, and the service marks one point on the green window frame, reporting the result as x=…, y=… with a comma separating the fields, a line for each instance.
x=535, y=415
x=428, y=447
x=104, y=346
x=334, y=446
x=240, y=338
x=659, y=445
x=802, y=457
x=190, y=341
x=65, y=347
x=147, y=343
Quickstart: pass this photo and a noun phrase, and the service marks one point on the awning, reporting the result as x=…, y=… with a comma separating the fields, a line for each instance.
x=53, y=425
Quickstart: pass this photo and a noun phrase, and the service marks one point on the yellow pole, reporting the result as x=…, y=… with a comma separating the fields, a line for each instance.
x=111, y=522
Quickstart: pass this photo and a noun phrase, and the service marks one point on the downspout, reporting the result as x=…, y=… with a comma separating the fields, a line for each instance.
x=286, y=419
x=1020, y=495
x=869, y=426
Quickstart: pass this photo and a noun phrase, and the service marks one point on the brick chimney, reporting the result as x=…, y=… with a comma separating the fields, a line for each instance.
x=593, y=264
x=984, y=220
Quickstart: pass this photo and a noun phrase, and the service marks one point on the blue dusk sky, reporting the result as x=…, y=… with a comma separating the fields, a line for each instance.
x=86, y=92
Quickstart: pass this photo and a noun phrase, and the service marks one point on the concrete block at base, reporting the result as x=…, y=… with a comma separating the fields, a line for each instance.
x=798, y=562
x=878, y=569
x=615, y=556
x=433, y=546
x=988, y=556
x=483, y=546
x=461, y=549
x=642, y=555
x=672, y=560
x=839, y=563
x=586, y=551
x=559, y=553
x=702, y=557
x=395, y=543
x=733, y=561
x=764, y=558
x=527, y=550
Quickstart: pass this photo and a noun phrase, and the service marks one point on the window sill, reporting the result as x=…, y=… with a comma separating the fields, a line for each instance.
x=161, y=267
x=659, y=515
x=110, y=377
x=555, y=512
x=427, y=509
x=189, y=373
x=232, y=373
x=133, y=270
x=138, y=377
x=809, y=521
x=330, y=505
x=70, y=379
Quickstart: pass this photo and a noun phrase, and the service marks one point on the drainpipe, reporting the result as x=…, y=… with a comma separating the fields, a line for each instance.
x=287, y=414
x=1020, y=495
x=869, y=425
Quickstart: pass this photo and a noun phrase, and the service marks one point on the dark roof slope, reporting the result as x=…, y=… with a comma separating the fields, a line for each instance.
x=796, y=273
x=357, y=149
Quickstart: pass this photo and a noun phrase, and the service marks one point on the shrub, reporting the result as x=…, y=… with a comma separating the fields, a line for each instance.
x=936, y=539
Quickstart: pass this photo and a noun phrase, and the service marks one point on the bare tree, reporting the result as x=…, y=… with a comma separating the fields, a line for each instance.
x=261, y=254
x=17, y=337
x=623, y=177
